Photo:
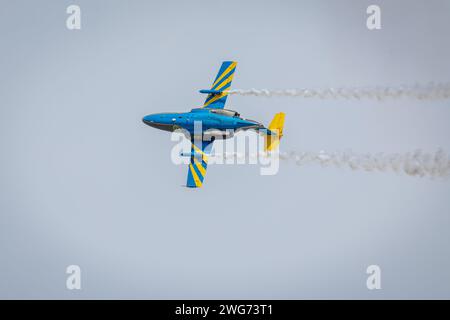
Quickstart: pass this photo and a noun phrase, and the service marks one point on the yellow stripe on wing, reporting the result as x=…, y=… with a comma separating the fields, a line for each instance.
x=215, y=98
x=204, y=156
x=198, y=182
x=227, y=70
x=200, y=167
x=226, y=81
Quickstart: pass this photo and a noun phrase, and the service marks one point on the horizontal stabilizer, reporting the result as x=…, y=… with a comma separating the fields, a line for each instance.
x=272, y=140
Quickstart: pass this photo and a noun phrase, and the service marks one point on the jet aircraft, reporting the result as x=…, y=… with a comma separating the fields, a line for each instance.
x=216, y=123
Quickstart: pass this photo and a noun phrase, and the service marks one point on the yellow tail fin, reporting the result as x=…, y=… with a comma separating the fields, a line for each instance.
x=276, y=126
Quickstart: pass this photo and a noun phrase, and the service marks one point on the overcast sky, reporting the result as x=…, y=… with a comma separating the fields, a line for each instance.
x=83, y=181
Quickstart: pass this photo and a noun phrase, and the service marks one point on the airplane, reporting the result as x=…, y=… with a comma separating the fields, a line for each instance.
x=216, y=123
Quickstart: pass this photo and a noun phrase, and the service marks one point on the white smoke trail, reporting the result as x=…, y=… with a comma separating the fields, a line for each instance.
x=431, y=91
x=416, y=163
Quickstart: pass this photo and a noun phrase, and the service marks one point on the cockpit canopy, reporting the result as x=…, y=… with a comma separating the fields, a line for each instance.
x=226, y=112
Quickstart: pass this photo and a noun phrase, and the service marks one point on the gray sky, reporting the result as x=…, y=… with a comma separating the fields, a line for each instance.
x=83, y=181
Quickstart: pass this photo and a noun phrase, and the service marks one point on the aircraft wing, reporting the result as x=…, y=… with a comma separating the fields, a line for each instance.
x=200, y=150
x=217, y=95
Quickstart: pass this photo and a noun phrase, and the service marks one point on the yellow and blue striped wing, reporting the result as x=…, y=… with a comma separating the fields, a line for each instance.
x=198, y=164
x=222, y=83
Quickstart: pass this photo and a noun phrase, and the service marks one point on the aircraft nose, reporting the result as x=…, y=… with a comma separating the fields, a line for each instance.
x=149, y=119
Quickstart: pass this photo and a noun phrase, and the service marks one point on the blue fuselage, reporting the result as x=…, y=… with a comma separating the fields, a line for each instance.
x=219, y=119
